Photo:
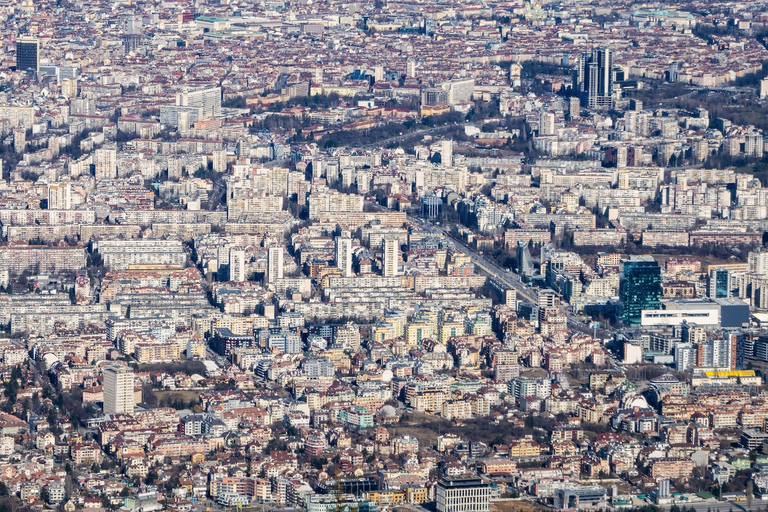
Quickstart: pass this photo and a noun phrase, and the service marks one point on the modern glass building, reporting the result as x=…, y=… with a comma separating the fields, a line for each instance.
x=26, y=54
x=640, y=288
x=595, y=77
x=719, y=284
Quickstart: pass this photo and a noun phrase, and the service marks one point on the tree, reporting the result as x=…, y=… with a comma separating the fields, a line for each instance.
x=673, y=160
x=11, y=386
x=319, y=463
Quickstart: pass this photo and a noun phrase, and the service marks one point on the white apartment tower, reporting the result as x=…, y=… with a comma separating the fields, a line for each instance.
x=758, y=262
x=446, y=153
x=274, y=264
x=105, y=163
x=175, y=166
x=19, y=140
x=184, y=122
x=59, y=196
x=547, y=123
x=118, y=389
x=390, y=257
x=69, y=87
x=219, y=159
x=344, y=255
x=410, y=69
x=237, y=265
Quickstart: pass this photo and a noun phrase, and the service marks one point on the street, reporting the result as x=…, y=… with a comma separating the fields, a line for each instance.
x=493, y=271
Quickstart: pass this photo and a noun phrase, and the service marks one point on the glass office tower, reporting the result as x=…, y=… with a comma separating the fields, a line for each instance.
x=26, y=54
x=640, y=288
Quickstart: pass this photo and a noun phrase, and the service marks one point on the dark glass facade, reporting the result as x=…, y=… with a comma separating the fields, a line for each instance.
x=640, y=288
x=26, y=54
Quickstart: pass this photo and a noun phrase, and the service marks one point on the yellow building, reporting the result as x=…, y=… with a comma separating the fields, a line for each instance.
x=524, y=448
x=434, y=110
x=429, y=400
x=383, y=331
x=325, y=274
x=340, y=360
x=386, y=497
x=415, y=332
x=416, y=494
x=450, y=329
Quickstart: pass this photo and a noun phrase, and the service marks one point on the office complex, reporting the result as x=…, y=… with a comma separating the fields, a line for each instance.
x=594, y=77
x=462, y=495
x=118, y=389
x=719, y=283
x=640, y=288
x=27, y=54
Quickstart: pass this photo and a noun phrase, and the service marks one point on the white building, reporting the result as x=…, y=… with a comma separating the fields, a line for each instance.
x=59, y=196
x=219, y=160
x=410, y=69
x=237, y=265
x=105, y=163
x=758, y=262
x=547, y=123
x=462, y=495
x=390, y=257
x=707, y=315
x=274, y=264
x=459, y=91
x=344, y=255
x=118, y=389
x=209, y=99
x=685, y=356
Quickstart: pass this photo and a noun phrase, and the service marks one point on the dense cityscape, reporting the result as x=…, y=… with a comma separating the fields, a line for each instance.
x=383, y=256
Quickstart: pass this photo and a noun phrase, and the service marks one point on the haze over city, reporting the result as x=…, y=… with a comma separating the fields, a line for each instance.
x=383, y=256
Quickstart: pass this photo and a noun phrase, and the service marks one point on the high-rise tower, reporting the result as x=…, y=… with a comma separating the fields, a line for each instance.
x=595, y=79
x=27, y=50
x=118, y=389
x=640, y=288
